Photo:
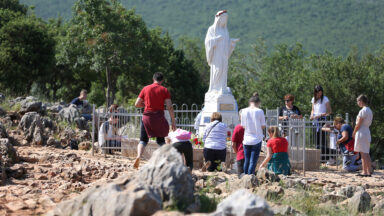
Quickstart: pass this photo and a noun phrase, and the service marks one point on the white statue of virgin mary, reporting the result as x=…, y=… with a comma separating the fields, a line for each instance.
x=218, y=48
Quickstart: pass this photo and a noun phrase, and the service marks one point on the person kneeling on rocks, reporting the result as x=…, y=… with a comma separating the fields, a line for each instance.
x=108, y=136
x=215, y=144
x=277, y=153
x=180, y=140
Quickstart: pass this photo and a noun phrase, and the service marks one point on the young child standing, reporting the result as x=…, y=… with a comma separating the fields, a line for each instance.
x=237, y=145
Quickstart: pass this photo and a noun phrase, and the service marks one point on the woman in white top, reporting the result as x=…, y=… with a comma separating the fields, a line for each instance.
x=108, y=136
x=320, y=104
x=362, y=134
x=321, y=108
x=215, y=144
x=253, y=121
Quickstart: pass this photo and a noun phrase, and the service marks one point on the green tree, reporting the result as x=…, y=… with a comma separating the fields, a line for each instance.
x=103, y=40
x=13, y=5
x=26, y=54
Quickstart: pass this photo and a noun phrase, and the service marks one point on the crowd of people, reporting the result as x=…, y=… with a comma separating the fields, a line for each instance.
x=247, y=137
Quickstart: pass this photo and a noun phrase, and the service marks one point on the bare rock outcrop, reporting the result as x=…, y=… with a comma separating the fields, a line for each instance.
x=242, y=203
x=360, y=202
x=7, y=152
x=163, y=181
x=32, y=126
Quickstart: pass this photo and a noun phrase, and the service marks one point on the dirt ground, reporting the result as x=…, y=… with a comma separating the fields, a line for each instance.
x=47, y=176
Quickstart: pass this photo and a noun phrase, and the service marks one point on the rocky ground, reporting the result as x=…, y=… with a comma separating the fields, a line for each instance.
x=46, y=176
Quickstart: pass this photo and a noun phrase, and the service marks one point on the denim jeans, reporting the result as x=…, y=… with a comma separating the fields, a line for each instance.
x=87, y=117
x=351, y=167
x=251, y=155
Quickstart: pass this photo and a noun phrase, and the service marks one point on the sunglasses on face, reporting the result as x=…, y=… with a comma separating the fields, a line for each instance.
x=286, y=100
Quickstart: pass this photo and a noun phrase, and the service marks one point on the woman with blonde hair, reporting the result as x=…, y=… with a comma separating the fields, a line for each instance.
x=215, y=144
x=277, y=153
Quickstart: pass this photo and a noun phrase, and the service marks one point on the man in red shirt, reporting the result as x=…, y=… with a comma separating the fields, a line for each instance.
x=154, y=124
x=237, y=145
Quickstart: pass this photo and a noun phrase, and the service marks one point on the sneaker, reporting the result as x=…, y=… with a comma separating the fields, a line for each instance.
x=205, y=166
x=223, y=167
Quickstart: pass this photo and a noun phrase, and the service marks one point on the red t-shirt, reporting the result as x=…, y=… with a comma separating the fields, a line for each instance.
x=237, y=137
x=154, y=96
x=350, y=146
x=279, y=144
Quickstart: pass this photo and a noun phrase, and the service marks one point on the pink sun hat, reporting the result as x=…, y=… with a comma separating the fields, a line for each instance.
x=181, y=134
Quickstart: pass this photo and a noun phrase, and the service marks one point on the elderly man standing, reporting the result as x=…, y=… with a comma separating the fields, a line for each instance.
x=154, y=124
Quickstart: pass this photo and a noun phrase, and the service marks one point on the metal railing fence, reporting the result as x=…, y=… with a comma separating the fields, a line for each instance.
x=301, y=134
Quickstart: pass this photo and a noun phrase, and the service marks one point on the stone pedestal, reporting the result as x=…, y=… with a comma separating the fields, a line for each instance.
x=222, y=103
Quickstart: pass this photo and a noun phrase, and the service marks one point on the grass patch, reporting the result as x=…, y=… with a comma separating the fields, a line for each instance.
x=16, y=107
x=176, y=206
x=63, y=124
x=308, y=201
x=324, y=167
x=207, y=204
x=5, y=106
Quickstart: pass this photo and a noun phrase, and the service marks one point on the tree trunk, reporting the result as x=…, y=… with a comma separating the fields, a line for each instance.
x=109, y=86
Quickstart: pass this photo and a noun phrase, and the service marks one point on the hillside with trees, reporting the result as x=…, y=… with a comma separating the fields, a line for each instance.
x=110, y=51
x=318, y=25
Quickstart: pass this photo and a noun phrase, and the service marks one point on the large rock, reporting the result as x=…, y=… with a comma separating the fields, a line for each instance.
x=47, y=123
x=360, y=202
x=55, y=108
x=32, y=127
x=245, y=182
x=271, y=192
x=243, y=203
x=165, y=172
x=163, y=181
x=349, y=191
x=29, y=105
x=334, y=198
x=112, y=199
x=7, y=152
x=265, y=175
x=69, y=113
x=379, y=206
x=73, y=114
x=286, y=210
